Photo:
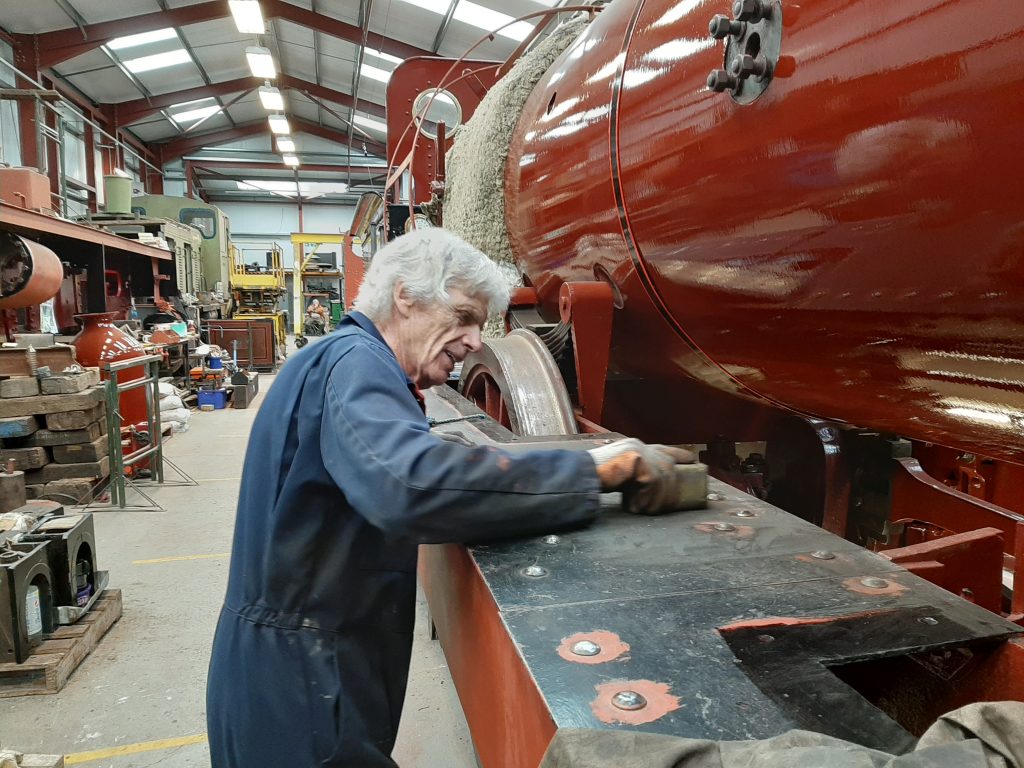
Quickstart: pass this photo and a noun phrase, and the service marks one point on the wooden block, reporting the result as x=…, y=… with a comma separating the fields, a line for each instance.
x=73, y=419
x=51, y=472
x=34, y=491
x=75, y=454
x=18, y=426
x=19, y=386
x=48, y=437
x=25, y=458
x=48, y=668
x=69, y=383
x=41, y=761
x=42, y=404
x=72, y=491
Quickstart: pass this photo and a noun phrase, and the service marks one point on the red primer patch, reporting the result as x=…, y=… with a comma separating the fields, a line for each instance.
x=612, y=647
x=659, y=702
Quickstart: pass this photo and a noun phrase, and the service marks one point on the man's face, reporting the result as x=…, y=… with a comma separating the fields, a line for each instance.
x=433, y=337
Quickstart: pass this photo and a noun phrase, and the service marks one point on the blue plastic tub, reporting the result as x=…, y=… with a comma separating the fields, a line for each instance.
x=218, y=398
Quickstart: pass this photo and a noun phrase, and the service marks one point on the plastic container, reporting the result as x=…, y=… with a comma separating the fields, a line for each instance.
x=216, y=363
x=218, y=398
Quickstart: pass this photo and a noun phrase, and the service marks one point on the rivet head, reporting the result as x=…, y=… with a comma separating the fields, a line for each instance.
x=551, y=540
x=874, y=582
x=929, y=620
x=724, y=527
x=823, y=554
x=586, y=648
x=715, y=497
x=534, y=571
x=629, y=700
x=744, y=513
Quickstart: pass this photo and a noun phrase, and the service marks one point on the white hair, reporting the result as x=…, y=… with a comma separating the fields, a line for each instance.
x=428, y=262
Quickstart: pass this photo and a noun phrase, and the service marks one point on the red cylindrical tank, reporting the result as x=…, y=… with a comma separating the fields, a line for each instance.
x=848, y=245
x=101, y=342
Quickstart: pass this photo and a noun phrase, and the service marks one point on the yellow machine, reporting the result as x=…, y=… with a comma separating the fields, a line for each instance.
x=310, y=267
x=257, y=285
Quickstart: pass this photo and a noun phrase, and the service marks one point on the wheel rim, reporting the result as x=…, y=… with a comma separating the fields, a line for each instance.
x=516, y=381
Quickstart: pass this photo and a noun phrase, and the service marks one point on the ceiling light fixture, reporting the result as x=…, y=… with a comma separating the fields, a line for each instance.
x=285, y=145
x=271, y=99
x=291, y=160
x=279, y=124
x=261, y=63
x=248, y=16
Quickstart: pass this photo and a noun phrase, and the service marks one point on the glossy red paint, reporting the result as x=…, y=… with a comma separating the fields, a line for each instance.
x=844, y=246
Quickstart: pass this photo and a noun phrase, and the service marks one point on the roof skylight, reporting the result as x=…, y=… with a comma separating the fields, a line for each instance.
x=157, y=61
x=375, y=73
x=369, y=122
x=132, y=41
x=196, y=114
x=478, y=16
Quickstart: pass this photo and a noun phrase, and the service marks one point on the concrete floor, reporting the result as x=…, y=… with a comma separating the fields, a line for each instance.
x=139, y=698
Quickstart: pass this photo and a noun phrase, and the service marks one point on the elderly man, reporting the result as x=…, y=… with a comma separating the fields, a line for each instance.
x=342, y=481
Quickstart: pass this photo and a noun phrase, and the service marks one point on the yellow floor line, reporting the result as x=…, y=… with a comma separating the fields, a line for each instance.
x=133, y=749
x=181, y=557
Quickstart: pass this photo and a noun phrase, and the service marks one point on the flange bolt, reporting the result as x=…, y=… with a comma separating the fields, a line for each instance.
x=744, y=66
x=720, y=27
x=719, y=80
x=751, y=10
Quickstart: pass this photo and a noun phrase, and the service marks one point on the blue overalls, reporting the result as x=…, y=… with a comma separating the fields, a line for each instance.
x=342, y=481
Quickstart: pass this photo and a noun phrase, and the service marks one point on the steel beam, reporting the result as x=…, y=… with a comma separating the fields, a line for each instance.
x=128, y=112
x=179, y=147
x=53, y=48
x=198, y=162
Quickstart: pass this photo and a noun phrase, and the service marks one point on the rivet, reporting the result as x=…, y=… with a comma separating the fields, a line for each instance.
x=823, y=554
x=744, y=513
x=724, y=527
x=586, y=648
x=629, y=700
x=534, y=571
x=715, y=497
x=874, y=582
x=551, y=539
x=929, y=620
x=765, y=638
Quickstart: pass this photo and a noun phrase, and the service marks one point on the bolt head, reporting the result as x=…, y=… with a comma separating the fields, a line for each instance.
x=931, y=621
x=725, y=527
x=874, y=582
x=744, y=513
x=720, y=26
x=551, y=540
x=715, y=496
x=534, y=571
x=823, y=554
x=586, y=648
x=629, y=700
x=719, y=80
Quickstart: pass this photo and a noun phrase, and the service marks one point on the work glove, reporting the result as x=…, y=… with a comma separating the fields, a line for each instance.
x=645, y=473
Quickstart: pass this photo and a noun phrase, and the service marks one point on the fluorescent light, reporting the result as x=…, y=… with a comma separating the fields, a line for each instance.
x=261, y=63
x=478, y=16
x=157, y=61
x=279, y=124
x=369, y=122
x=375, y=73
x=271, y=99
x=195, y=114
x=285, y=145
x=384, y=56
x=248, y=16
x=291, y=160
x=141, y=39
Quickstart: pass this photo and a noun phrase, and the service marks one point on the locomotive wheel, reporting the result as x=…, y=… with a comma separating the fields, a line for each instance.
x=516, y=381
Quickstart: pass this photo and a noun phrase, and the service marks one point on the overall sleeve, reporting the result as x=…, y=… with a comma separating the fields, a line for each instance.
x=377, y=447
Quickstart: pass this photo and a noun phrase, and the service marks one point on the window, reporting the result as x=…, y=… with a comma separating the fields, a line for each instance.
x=202, y=219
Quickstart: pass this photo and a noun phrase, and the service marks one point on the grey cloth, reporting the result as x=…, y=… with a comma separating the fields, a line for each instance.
x=985, y=735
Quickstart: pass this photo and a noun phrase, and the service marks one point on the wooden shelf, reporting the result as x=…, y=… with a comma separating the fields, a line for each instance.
x=31, y=223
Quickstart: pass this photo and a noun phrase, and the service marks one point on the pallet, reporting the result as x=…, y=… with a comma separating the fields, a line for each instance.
x=48, y=668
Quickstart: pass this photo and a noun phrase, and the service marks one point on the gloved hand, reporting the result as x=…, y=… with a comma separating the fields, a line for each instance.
x=647, y=472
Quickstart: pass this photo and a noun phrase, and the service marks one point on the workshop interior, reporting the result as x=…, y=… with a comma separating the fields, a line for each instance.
x=784, y=235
